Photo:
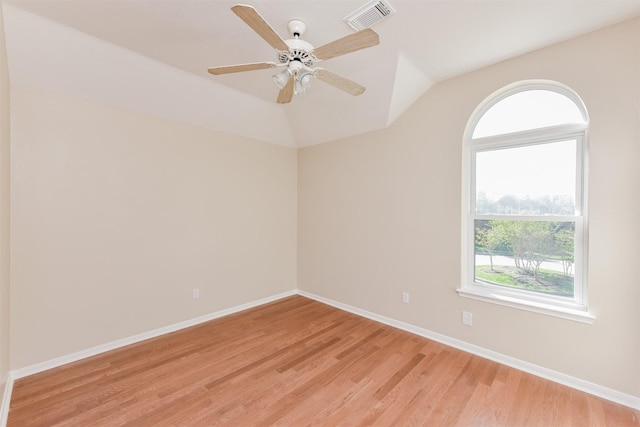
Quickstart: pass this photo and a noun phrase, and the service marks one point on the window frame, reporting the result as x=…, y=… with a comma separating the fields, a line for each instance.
x=575, y=308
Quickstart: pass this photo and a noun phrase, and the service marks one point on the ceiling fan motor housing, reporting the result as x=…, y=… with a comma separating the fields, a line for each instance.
x=299, y=50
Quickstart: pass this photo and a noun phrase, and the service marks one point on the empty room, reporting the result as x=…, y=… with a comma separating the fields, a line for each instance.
x=290, y=213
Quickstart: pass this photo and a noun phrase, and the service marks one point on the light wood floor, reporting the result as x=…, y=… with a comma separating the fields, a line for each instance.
x=297, y=362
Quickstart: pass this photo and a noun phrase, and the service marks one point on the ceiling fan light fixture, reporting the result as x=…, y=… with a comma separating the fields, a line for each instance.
x=282, y=78
x=304, y=79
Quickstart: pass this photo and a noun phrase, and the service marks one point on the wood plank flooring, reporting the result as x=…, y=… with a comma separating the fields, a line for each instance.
x=297, y=362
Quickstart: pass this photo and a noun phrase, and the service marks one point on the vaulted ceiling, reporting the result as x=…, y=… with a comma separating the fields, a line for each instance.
x=152, y=56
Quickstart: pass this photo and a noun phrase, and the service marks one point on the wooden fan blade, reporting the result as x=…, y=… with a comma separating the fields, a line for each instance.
x=241, y=67
x=340, y=82
x=252, y=18
x=356, y=41
x=286, y=94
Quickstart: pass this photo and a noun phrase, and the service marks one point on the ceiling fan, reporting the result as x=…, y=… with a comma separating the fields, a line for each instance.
x=297, y=56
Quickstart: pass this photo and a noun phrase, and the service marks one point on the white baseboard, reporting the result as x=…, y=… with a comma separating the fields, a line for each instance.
x=93, y=351
x=558, y=377
x=6, y=400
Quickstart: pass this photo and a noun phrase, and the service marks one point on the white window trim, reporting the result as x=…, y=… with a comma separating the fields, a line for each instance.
x=501, y=298
x=576, y=308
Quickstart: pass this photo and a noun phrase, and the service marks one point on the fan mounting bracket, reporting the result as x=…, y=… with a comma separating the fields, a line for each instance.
x=296, y=28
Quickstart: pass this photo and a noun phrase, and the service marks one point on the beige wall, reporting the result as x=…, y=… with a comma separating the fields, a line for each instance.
x=117, y=216
x=380, y=214
x=4, y=211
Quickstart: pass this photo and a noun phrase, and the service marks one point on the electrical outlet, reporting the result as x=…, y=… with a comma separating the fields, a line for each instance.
x=196, y=293
x=405, y=297
x=467, y=318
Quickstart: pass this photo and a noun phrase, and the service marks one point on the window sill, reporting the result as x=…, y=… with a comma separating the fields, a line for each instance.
x=487, y=295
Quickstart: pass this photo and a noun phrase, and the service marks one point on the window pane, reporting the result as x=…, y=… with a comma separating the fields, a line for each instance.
x=533, y=255
x=530, y=180
x=530, y=109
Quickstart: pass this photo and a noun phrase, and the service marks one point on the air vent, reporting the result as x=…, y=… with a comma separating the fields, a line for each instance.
x=369, y=14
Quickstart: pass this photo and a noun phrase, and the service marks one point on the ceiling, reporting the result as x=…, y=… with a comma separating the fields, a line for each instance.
x=152, y=56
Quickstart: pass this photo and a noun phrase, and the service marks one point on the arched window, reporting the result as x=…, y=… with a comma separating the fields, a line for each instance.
x=524, y=219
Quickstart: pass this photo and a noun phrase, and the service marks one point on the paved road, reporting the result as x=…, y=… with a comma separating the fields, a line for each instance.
x=505, y=260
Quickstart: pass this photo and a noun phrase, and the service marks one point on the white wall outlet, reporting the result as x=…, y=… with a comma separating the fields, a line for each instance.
x=467, y=318
x=196, y=293
x=405, y=297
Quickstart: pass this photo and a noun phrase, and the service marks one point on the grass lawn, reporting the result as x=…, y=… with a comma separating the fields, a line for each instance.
x=549, y=282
